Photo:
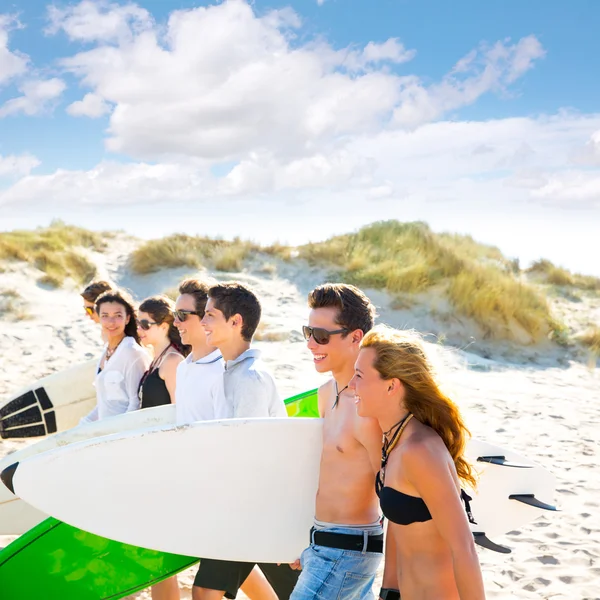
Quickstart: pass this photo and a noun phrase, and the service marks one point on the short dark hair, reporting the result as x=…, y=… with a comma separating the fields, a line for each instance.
x=94, y=289
x=234, y=298
x=126, y=301
x=199, y=290
x=355, y=310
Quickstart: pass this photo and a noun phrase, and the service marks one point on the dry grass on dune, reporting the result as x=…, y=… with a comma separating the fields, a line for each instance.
x=181, y=250
x=12, y=306
x=549, y=273
x=591, y=339
x=408, y=258
x=53, y=250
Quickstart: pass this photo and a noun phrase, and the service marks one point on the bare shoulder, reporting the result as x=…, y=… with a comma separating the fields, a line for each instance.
x=170, y=363
x=424, y=449
x=324, y=394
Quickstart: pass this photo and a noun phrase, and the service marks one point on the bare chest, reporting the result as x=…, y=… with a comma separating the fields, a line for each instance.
x=339, y=428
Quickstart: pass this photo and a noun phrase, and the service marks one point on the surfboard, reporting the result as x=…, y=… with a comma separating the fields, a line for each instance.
x=78, y=565
x=51, y=404
x=16, y=516
x=273, y=511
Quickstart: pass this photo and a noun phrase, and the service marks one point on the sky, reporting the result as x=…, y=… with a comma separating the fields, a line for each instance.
x=294, y=121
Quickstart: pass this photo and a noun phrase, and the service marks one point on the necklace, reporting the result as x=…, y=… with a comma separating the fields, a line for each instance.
x=389, y=445
x=338, y=393
x=111, y=351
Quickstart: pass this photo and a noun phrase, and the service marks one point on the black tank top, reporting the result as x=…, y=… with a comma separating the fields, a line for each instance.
x=153, y=391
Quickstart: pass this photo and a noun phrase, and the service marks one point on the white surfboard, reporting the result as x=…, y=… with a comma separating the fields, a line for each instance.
x=16, y=516
x=51, y=404
x=512, y=491
x=234, y=490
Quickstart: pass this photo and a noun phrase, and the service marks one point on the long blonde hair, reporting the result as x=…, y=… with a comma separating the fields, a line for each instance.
x=401, y=355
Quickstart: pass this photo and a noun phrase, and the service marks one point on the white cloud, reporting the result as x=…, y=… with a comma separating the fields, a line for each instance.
x=90, y=106
x=267, y=93
x=99, y=21
x=479, y=72
x=12, y=63
x=571, y=189
x=17, y=166
x=392, y=50
x=38, y=96
x=590, y=153
x=110, y=183
x=437, y=163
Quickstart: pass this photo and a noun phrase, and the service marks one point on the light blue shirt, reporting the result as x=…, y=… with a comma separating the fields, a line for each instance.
x=249, y=389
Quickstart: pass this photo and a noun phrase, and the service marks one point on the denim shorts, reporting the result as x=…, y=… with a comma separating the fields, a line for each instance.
x=334, y=574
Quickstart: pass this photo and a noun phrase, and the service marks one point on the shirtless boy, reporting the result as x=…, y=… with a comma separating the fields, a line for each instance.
x=346, y=542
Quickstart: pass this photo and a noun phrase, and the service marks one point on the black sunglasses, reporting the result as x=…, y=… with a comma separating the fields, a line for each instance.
x=182, y=315
x=320, y=335
x=145, y=324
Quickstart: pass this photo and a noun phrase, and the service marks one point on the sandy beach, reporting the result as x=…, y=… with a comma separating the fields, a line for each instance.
x=539, y=402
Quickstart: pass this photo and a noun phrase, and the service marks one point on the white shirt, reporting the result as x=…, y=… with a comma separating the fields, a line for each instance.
x=198, y=395
x=249, y=389
x=117, y=384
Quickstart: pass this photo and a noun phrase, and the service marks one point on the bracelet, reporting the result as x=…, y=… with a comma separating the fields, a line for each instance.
x=389, y=594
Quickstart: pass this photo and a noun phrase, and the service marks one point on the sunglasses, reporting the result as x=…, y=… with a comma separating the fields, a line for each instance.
x=182, y=315
x=320, y=335
x=145, y=324
x=89, y=310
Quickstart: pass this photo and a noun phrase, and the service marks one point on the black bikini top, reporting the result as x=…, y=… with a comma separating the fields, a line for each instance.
x=400, y=508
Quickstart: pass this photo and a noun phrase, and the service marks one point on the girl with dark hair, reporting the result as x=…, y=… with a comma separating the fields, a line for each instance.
x=423, y=468
x=157, y=387
x=156, y=330
x=123, y=361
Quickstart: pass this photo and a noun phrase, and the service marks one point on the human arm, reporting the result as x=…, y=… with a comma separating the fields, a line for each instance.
x=391, y=568
x=426, y=467
x=90, y=417
x=168, y=373
x=369, y=435
x=131, y=381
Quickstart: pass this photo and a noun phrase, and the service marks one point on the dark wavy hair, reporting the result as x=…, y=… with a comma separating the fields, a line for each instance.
x=161, y=308
x=126, y=301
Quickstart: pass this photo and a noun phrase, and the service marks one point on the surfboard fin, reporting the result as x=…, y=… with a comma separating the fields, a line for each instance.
x=7, y=476
x=501, y=461
x=531, y=500
x=482, y=540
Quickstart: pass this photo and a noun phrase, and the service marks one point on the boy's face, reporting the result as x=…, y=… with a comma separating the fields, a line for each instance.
x=340, y=349
x=219, y=330
x=190, y=330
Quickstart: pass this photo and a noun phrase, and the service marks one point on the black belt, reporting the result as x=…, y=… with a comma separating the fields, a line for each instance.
x=345, y=541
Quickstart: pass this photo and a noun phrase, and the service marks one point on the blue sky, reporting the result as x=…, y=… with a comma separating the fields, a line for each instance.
x=296, y=120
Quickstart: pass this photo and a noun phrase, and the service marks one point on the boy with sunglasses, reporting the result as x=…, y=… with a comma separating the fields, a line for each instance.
x=199, y=397
x=198, y=380
x=346, y=542
x=90, y=294
x=231, y=317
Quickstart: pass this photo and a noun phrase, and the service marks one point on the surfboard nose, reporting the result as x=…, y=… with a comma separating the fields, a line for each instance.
x=7, y=476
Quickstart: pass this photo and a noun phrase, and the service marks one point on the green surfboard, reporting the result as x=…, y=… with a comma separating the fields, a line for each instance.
x=55, y=561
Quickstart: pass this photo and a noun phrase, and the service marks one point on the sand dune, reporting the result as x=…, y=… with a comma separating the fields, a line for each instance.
x=549, y=411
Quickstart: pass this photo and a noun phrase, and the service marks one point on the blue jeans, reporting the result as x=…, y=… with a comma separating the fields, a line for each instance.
x=334, y=574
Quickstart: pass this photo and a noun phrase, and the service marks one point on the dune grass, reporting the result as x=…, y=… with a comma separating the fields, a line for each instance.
x=409, y=258
x=549, y=273
x=12, y=306
x=53, y=250
x=591, y=339
x=181, y=250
